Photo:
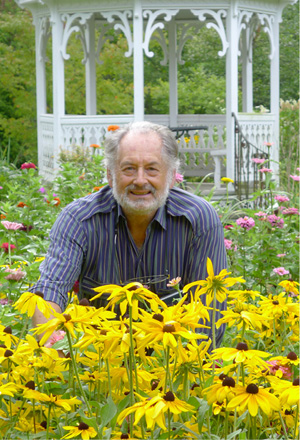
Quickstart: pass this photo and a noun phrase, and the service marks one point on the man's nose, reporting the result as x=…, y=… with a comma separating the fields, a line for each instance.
x=140, y=177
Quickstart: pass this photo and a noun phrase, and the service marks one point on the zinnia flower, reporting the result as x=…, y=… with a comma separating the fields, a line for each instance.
x=11, y=226
x=252, y=398
x=178, y=178
x=21, y=205
x=95, y=146
x=5, y=247
x=281, y=271
x=27, y=165
x=275, y=221
x=14, y=274
x=265, y=170
x=282, y=199
x=296, y=178
x=246, y=222
x=113, y=127
x=257, y=160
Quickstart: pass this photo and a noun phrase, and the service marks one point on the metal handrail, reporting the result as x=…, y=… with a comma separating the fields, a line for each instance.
x=185, y=129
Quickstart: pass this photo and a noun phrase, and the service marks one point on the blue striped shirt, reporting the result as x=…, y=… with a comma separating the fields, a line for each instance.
x=90, y=242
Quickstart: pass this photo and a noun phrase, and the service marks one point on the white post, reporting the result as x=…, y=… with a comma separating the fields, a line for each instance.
x=138, y=62
x=90, y=69
x=231, y=86
x=58, y=82
x=275, y=96
x=173, y=92
x=247, y=74
x=41, y=96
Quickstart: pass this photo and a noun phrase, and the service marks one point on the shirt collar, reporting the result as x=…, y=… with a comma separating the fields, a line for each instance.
x=160, y=216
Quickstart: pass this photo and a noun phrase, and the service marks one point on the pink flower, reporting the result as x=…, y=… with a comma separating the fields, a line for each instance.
x=228, y=227
x=275, y=221
x=11, y=225
x=3, y=301
x=282, y=199
x=178, y=178
x=260, y=214
x=55, y=337
x=27, y=165
x=42, y=190
x=285, y=372
x=5, y=247
x=280, y=255
x=228, y=243
x=268, y=144
x=296, y=178
x=265, y=170
x=246, y=222
x=281, y=271
x=14, y=274
x=290, y=211
x=257, y=160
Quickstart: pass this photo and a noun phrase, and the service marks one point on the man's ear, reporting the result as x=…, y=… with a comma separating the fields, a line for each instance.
x=173, y=181
x=109, y=177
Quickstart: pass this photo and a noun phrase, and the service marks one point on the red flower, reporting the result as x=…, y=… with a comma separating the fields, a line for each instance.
x=21, y=205
x=5, y=247
x=27, y=165
x=57, y=201
x=113, y=127
x=95, y=146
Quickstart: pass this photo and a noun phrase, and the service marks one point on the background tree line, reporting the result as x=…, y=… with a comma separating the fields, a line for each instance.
x=202, y=66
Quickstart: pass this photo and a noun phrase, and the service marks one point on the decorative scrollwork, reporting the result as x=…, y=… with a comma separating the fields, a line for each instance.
x=217, y=24
x=44, y=33
x=123, y=25
x=153, y=26
x=74, y=23
x=185, y=36
x=103, y=37
x=267, y=21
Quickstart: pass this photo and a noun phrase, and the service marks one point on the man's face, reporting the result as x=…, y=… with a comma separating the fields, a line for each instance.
x=141, y=180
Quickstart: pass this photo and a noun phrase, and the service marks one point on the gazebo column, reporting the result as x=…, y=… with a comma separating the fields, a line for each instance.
x=247, y=72
x=138, y=62
x=231, y=86
x=58, y=75
x=41, y=25
x=173, y=63
x=274, y=90
x=90, y=69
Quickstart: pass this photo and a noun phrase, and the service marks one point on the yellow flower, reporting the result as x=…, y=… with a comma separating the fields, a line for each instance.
x=8, y=389
x=66, y=404
x=290, y=286
x=239, y=354
x=85, y=431
x=28, y=302
x=227, y=180
x=252, y=398
x=223, y=389
x=214, y=284
x=154, y=409
x=129, y=295
x=291, y=395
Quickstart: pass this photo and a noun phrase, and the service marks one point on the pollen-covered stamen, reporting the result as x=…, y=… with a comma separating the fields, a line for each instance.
x=8, y=330
x=169, y=328
x=158, y=317
x=242, y=346
x=252, y=388
x=30, y=385
x=228, y=382
x=292, y=356
x=169, y=396
x=296, y=382
x=82, y=426
x=67, y=316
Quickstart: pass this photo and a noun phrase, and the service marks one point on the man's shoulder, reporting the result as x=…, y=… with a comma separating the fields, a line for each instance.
x=200, y=213
x=84, y=208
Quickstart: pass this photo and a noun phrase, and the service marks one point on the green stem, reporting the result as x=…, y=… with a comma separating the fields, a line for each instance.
x=296, y=422
x=108, y=378
x=168, y=378
x=48, y=421
x=283, y=426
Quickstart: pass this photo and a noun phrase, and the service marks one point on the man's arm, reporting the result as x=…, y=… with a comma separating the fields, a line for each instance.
x=39, y=317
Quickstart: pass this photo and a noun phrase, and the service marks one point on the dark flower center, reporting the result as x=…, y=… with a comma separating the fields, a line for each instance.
x=252, y=388
x=67, y=317
x=169, y=396
x=292, y=356
x=228, y=382
x=222, y=376
x=242, y=346
x=296, y=382
x=158, y=317
x=287, y=412
x=124, y=436
x=276, y=303
x=8, y=353
x=44, y=424
x=39, y=294
x=84, y=302
x=30, y=385
x=168, y=328
x=82, y=426
x=154, y=385
x=8, y=330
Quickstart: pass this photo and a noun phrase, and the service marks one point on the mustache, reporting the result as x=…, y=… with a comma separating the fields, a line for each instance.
x=134, y=187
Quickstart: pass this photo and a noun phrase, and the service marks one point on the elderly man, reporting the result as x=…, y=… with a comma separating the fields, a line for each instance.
x=139, y=227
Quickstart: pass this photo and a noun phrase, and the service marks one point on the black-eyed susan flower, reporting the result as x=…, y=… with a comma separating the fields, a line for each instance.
x=155, y=408
x=290, y=286
x=130, y=295
x=223, y=389
x=253, y=398
x=28, y=302
x=240, y=354
x=291, y=395
x=85, y=431
x=214, y=284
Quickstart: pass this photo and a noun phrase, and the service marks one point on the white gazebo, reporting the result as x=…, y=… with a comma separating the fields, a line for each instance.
x=170, y=22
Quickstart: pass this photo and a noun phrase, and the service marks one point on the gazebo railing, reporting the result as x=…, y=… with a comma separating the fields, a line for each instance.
x=247, y=177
